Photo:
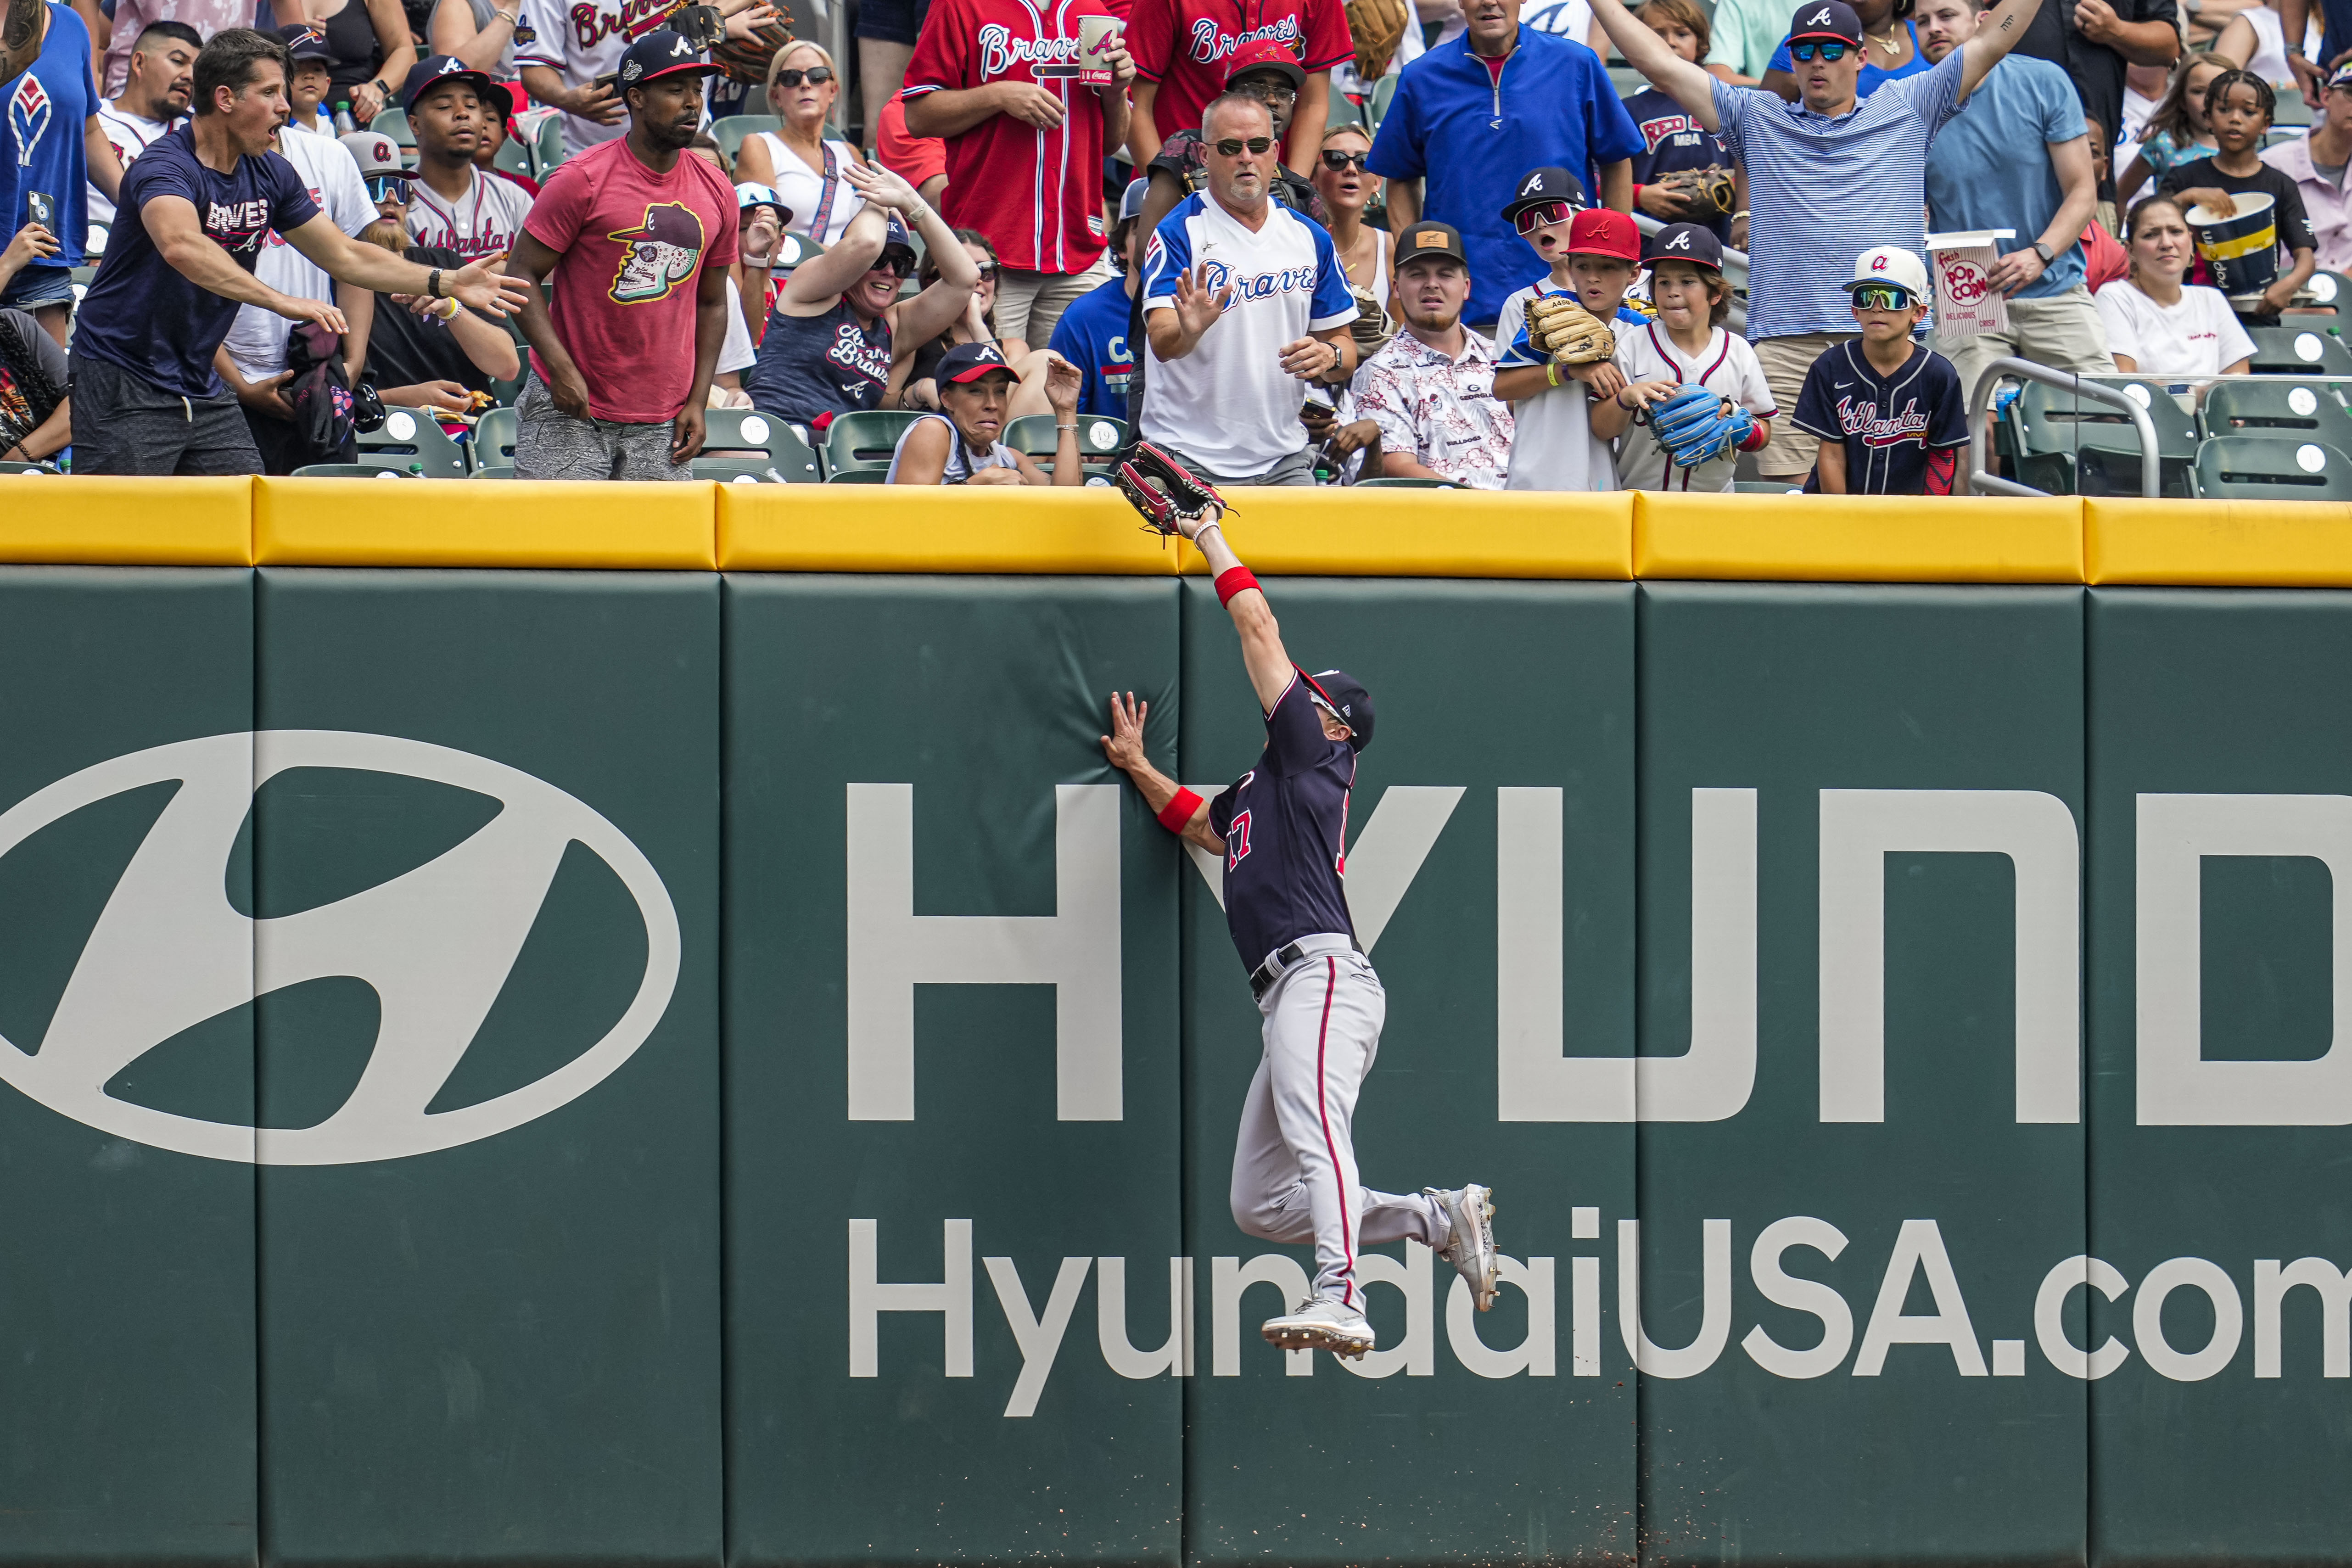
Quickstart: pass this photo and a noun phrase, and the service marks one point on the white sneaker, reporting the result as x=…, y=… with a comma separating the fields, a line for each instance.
x=1323, y=1324
x=1471, y=1211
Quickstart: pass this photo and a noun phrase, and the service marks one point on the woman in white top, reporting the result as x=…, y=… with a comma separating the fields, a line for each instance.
x=2157, y=326
x=1347, y=187
x=798, y=161
x=964, y=445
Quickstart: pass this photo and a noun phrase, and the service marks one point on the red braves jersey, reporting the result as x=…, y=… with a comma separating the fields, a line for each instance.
x=1037, y=195
x=1184, y=45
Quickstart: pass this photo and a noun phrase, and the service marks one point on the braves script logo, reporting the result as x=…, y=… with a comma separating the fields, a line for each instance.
x=592, y=23
x=853, y=352
x=435, y=944
x=999, y=50
x=29, y=117
x=1965, y=282
x=1862, y=420
x=1211, y=43
x=1215, y=274
x=658, y=254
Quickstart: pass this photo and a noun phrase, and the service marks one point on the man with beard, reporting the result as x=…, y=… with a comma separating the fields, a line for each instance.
x=162, y=79
x=640, y=236
x=1431, y=390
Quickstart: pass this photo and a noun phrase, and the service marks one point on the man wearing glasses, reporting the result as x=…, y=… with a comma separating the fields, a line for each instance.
x=1244, y=304
x=1828, y=175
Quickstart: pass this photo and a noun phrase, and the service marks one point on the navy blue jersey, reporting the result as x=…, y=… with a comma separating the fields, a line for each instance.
x=1285, y=823
x=1902, y=433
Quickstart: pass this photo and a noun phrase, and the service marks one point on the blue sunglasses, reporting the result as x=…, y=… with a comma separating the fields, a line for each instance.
x=1828, y=51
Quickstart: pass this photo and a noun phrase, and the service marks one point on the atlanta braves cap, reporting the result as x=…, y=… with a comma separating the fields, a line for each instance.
x=1345, y=696
x=970, y=362
x=1892, y=264
x=1832, y=19
x=1427, y=238
x=1266, y=54
x=1538, y=186
x=2341, y=75
x=1603, y=231
x=662, y=53
x=434, y=69
x=304, y=43
x=1692, y=242
x=375, y=153
x=1130, y=201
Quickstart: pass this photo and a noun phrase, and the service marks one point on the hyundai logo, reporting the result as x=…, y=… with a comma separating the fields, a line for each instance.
x=169, y=950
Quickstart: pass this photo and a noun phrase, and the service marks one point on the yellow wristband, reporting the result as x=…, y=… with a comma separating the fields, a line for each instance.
x=1551, y=372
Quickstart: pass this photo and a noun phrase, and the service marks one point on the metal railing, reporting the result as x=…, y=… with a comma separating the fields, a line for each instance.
x=1981, y=481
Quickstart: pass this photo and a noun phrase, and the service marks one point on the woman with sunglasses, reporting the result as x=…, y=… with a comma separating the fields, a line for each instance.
x=798, y=161
x=827, y=347
x=1348, y=187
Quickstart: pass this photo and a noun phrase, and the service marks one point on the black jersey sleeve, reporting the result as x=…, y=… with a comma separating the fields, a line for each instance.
x=1295, y=741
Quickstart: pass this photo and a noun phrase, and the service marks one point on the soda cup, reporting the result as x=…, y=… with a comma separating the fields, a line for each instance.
x=1098, y=37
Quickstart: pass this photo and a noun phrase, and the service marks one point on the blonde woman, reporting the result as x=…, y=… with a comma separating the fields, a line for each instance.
x=798, y=163
x=1348, y=187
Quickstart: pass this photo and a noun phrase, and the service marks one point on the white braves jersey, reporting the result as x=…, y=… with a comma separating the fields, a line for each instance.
x=129, y=135
x=486, y=221
x=257, y=339
x=1727, y=366
x=581, y=41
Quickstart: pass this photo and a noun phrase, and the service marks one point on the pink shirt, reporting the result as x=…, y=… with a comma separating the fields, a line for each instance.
x=633, y=243
x=131, y=17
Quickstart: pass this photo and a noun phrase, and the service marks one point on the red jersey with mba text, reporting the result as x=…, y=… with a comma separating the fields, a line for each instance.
x=1037, y=195
x=1185, y=45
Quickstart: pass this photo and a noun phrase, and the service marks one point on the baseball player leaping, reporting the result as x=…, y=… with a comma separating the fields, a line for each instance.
x=1281, y=830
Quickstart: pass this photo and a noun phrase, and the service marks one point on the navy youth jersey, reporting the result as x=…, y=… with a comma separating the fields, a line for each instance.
x=1285, y=823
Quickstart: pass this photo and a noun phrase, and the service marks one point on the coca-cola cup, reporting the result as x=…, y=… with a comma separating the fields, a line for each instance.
x=1098, y=38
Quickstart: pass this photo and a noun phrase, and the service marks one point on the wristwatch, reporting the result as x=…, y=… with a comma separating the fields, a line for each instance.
x=2043, y=251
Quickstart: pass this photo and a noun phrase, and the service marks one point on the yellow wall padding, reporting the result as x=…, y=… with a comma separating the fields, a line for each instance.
x=975, y=527
x=1859, y=539
x=47, y=520
x=1383, y=532
x=2295, y=544
x=482, y=523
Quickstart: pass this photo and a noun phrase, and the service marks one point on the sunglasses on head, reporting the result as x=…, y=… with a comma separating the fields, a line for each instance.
x=1231, y=146
x=1827, y=51
x=1882, y=296
x=815, y=76
x=1533, y=218
x=1337, y=161
x=387, y=188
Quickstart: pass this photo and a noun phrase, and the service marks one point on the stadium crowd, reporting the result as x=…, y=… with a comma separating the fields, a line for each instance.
x=1563, y=245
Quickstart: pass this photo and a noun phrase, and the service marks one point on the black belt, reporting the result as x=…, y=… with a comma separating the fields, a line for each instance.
x=1263, y=977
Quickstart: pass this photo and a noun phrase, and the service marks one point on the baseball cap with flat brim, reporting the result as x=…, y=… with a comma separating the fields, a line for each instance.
x=1427, y=238
x=660, y=54
x=1538, y=186
x=430, y=72
x=304, y=42
x=1891, y=264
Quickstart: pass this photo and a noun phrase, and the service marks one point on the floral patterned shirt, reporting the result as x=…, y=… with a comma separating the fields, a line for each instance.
x=1442, y=412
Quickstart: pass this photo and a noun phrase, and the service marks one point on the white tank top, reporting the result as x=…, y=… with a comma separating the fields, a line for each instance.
x=961, y=463
x=803, y=189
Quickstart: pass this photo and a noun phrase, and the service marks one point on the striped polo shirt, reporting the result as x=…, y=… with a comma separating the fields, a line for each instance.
x=1822, y=190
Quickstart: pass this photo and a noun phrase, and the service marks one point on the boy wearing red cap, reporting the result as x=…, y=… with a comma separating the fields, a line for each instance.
x=1594, y=255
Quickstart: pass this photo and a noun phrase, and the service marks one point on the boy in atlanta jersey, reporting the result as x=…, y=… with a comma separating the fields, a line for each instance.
x=1281, y=830
x=1889, y=411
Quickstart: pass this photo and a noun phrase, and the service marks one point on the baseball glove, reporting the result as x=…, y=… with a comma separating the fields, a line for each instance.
x=1377, y=26
x=1573, y=334
x=1163, y=490
x=746, y=60
x=1693, y=427
x=1717, y=190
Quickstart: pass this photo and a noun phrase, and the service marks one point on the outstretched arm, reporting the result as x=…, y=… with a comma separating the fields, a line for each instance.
x=1646, y=52
x=1123, y=747
x=1262, y=652
x=1999, y=32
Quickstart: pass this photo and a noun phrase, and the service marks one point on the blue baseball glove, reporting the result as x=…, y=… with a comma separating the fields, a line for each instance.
x=1693, y=427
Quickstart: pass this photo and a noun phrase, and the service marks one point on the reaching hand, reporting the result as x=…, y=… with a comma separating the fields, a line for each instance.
x=317, y=311
x=1124, y=744
x=366, y=102
x=1029, y=103
x=1198, y=307
x=479, y=288
x=1063, y=383
x=881, y=187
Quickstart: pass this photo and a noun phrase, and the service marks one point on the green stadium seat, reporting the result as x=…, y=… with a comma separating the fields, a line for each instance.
x=2286, y=349
x=729, y=431
x=730, y=132
x=1383, y=94
x=496, y=471
x=2329, y=291
x=514, y=157
x=353, y=471
x=2271, y=468
x=407, y=438
x=865, y=440
x=1345, y=110
x=547, y=146
x=494, y=440
x=26, y=468
x=1099, y=437
x=394, y=122
x=2087, y=447
x=2292, y=110
x=792, y=249
x=739, y=470
x=858, y=477
x=2275, y=406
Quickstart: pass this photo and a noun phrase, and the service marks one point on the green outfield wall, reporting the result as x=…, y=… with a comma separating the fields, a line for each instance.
x=648, y=1067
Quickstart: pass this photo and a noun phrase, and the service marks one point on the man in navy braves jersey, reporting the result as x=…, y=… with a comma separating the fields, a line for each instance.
x=1282, y=829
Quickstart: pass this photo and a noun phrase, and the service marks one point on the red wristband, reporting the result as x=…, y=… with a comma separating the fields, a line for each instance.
x=1234, y=582
x=1757, y=435
x=1177, y=814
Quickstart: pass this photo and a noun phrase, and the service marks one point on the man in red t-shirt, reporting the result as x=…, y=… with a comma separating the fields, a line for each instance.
x=998, y=78
x=640, y=236
x=1183, y=48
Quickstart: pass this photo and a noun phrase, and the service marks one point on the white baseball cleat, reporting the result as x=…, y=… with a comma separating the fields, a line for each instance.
x=1471, y=1211
x=1323, y=1324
